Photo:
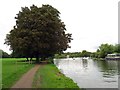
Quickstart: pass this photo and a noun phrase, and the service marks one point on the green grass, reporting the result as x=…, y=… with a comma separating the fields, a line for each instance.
x=12, y=70
x=48, y=76
x=0, y=73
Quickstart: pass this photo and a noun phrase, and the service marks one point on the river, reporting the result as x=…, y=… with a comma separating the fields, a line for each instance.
x=90, y=73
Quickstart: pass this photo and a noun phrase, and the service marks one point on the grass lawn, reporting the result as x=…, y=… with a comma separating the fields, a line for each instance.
x=48, y=76
x=12, y=70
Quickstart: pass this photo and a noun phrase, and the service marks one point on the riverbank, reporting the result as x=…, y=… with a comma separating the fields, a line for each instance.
x=48, y=76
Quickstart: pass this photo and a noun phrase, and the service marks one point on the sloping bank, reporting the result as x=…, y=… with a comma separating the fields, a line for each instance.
x=48, y=76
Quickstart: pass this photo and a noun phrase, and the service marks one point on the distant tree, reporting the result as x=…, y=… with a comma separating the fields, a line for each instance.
x=39, y=32
x=117, y=48
x=92, y=54
x=4, y=54
x=85, y=53
x=97, y=53
x=105, y=49
x=17, y=55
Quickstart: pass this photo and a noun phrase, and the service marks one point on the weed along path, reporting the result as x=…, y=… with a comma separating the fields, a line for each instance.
x=27, y=79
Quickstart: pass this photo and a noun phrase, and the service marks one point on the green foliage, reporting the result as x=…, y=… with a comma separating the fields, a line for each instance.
x=96, y=54
x=117, y=48
x=105, y=49
x=60, y=56
x=101, y=52
x=48, y=76
x=71, y=55
x=4, y=54
x=39, y=32
x=12, y=70
x=85, y=53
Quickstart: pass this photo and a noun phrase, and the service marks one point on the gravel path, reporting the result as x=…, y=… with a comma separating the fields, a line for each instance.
x=27, y=79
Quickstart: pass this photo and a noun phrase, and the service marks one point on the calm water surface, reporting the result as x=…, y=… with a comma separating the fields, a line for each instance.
x=90, y=73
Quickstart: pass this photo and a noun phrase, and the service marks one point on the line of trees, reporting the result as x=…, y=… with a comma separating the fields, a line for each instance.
x=105, y=49
x=101, y=52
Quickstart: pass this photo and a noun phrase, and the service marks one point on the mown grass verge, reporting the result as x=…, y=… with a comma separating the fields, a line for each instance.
x=48, y=76
x=12, y=70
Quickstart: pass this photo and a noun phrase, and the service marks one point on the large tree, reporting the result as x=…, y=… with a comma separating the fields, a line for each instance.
x=117, y=48
x=39, y=32
x=105, y=49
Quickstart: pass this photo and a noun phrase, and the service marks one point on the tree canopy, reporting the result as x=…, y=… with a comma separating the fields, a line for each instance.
x=105, y=49
x=39, y=32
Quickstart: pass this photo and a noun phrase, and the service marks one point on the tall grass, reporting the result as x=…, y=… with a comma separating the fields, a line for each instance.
x=12, y=70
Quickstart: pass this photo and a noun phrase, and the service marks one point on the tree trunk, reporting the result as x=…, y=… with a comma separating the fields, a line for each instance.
x=27, y=59
x=52, y=61
x=31, y=60
x=37, y=59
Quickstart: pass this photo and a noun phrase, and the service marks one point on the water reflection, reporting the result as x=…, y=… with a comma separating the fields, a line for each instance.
x=85, y=64
x=108, y=68
x=90, y=73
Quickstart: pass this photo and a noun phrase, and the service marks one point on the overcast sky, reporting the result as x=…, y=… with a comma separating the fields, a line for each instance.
x=91, y=22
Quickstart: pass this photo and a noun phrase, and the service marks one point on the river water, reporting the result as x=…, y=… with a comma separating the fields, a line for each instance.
x=90, y=73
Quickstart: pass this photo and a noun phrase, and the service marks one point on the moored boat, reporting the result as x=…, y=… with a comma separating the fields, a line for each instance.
x=115, y=56
x=85, y=58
